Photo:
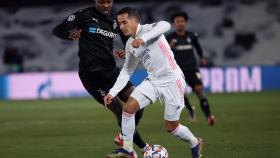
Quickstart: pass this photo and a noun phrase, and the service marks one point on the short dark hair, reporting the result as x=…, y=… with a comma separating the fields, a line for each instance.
x=99, y=0
x=130, y=11
x=182, y=14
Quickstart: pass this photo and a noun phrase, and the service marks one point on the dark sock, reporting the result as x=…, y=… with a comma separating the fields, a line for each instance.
x=138, y=140
x=204, y=104
x=188, y=105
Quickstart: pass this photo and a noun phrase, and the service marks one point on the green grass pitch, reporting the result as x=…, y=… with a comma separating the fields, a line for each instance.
x=247, y=126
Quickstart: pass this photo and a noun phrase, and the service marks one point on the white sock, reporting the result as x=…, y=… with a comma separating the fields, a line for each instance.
x=128, y=128
x=185, y=134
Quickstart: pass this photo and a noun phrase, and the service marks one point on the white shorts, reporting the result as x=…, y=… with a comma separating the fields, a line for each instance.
x=172, y=96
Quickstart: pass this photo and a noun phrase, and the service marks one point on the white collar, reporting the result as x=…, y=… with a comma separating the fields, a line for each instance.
x=138, y=29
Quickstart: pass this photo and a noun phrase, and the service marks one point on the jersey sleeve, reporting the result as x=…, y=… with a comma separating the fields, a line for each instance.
x=129, y=67
x=197, y=45
x=72, y=22
x=155, y=30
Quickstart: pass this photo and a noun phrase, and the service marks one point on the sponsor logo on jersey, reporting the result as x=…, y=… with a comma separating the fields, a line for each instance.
x=102, y=32
x=184, y=47
x=144, y=55
x=92, y=30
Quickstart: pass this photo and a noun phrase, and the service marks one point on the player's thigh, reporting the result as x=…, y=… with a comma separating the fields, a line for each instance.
x=95, y=87
x=173, y=98
x=97, y=92
x=126, y=92
x=145, y=94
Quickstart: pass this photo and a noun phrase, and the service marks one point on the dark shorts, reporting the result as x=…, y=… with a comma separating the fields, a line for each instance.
x=99, y=83
x=193, y=77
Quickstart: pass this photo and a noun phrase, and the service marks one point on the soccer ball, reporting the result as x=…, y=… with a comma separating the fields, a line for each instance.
x=156, y=151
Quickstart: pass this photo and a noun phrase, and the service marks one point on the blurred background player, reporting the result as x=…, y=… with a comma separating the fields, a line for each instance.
x=183, y=43
x=95, y=28
x=13, y=60
x=148, y=46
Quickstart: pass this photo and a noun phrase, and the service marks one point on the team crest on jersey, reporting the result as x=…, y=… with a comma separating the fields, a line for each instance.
x=115, y=25
x=71, y=17
x=189, y=40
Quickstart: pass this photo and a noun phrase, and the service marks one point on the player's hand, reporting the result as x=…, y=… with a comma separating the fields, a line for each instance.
x=75, y=35
x=137, y=43
x=172, y=43
x=107, y=99
x=203, y=61
x=120, y=53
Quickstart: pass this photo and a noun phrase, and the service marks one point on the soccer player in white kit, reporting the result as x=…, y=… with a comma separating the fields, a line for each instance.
x=165, y=81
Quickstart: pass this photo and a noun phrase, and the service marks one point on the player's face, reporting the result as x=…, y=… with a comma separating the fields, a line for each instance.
x=179, y=23
x=128, y=25
x=104, y=6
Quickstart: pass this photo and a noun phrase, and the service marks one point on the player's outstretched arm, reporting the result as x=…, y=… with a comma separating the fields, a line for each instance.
x=156, y=30
x=129, y=66
x=197, y=45
x=69, y=28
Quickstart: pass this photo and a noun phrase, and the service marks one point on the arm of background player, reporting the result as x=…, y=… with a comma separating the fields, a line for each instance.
x=64, y=29
x=197, y=46
x=156, y=30
x=129, y=66
x=171, y=40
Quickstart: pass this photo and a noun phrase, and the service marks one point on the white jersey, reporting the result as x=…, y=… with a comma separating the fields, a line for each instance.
x=155, y=55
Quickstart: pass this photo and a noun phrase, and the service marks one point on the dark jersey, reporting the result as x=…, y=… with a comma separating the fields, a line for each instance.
x=96, y=41
x=184, y=49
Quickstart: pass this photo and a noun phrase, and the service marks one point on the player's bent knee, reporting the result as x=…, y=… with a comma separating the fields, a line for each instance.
x=198, y=87
x=128, y=109
x=171, y=126
x=131, y=106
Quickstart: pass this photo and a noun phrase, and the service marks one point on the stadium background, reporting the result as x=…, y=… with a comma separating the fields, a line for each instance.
x=239, y=37
x=232, y=33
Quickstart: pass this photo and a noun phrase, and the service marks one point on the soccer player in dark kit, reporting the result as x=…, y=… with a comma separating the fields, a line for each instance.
x=183, y=43
x=95, y=28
